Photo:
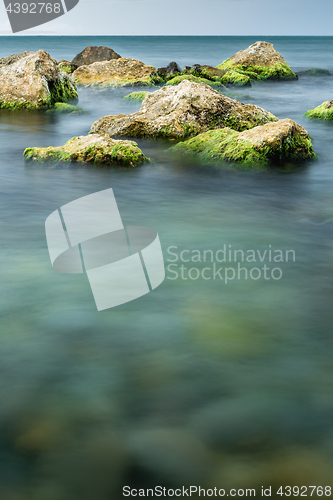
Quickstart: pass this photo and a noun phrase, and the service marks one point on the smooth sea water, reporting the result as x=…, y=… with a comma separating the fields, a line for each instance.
x=200, y=382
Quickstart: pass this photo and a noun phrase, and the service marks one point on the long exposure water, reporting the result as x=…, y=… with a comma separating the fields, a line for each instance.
x=200, y=382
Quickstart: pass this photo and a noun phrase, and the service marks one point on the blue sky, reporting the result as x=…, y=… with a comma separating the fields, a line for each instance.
x=189, y=17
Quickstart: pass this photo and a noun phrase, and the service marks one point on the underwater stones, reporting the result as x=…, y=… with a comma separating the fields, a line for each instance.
x=323, y=112
x=283, y=140
x=64, y=108
x=33, y=80
x=91, y=149
x=91, y=54
x=314, y=72
x=182, y=111
x=136, y=96
x=260, y=61
x=118, y=73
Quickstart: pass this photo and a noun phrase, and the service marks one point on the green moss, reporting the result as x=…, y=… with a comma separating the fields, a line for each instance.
x=62, y=107
x=61, y=91
x=243, y=75
x=192, y=78
x=66, y=69
x=226, y=145
x=136, y=96
x=322, y=112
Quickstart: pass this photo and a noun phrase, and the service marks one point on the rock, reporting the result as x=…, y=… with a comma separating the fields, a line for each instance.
x=185, y=110
x=323, y=112
x=274, y=142
x=171, y=69
x=260, y=61
x=136, y=96
x=64, y=108
x=118, y=72
x=67, y=66
x=93, y=148
x=314, y=72
x=91, y=55
x=208, y=72
x=33, y=80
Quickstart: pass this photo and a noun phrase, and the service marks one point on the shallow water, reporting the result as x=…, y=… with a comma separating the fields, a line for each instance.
x=200, y=382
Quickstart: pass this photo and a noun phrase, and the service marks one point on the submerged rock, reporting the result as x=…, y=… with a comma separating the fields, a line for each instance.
x=136, y=96
x=274, y=142
x=93, y=148
x=260, y=61
x=33, y=80
x=314, y=72
x=323, y=112
x=90, y=55
x=118, y=73
x=64, y=108
x=185, y=110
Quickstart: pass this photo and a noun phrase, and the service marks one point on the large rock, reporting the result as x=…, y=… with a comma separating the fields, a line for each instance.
x=118, y=72
x=274, y=142
x=323, y=112
x=91, y=55
x=33, y=80
x=260, y=61
x=93, y=148
x=185, y=110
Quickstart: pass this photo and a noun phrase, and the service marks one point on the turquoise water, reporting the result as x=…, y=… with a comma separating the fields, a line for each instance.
x=200, y=382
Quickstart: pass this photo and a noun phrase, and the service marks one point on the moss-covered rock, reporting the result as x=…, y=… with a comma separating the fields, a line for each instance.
x=121, y=72
x=314, y=72
x=64, y=108
x=260, y=61
x=32, y=80
x=66, y=66
x=182, y=111
x=192, y=78
x=274, y=142
x=93, y=148
x=136, y=96
x=323, y=112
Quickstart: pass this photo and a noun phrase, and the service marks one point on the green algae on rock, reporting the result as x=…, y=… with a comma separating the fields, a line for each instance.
x=183, y=111
x=32, y=80
x=64, y=108
x=192, y=78
x=136, y=96
x=260, y=61
x=274, y=142
x=323, y=112
x=93, y=148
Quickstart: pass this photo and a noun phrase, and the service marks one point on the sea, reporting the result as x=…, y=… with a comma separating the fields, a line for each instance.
x=222, y=377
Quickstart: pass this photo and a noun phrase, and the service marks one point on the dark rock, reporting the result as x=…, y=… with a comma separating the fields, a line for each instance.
x=170, y=69
x=91, y=55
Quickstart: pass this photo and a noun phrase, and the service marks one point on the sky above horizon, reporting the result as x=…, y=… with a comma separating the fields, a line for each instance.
x=188, y=17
